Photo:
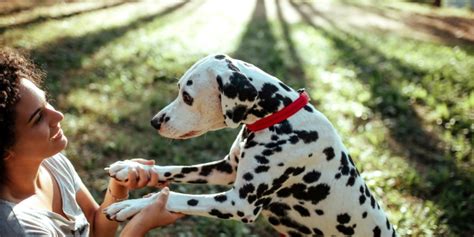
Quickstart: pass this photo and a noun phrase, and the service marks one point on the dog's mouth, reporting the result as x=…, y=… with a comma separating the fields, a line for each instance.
x=189, y=135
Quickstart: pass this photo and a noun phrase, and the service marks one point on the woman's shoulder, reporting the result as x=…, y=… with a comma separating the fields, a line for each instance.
x=59, y=162
x=9, y=224
x=61, y=168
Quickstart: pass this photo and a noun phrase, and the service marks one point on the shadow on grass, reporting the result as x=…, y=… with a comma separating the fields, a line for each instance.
x=450, y=30
x=441, y=180
x=43, y=18
x=296, y=69
x=66, y=54
x=258, y=46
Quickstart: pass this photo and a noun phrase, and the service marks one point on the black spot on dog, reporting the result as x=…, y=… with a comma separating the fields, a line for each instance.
x=319, y=212
x=376, y=231
x=262, y=168
x=268, y=103
x=251, y=198
x=318, y=193
x=193, y=202
x=250, y=143
x=217, y=213
x=239, y=213
x=189, y=82
x=284, y=86
x=198, y=181
x=350, y=181
x=264, y=202
x=312, y=176
x=294, y=234
x=237, y=114
x=347, y=230
x=167, y=174
x=273, y=220
x=361, y=199
x=248, y=176
x=279, y=209
x=372, y=201
x=298, y=170
x=343, y=218
x=231, y=66
x=220, y=57
x=318, y=232
x=301, y=210
x=256, y=210
x=307, y=136
x=261, y=159
x=293, y=224
x=284, y=127
x=308, y=108
x=284, y=192
x=220, y=198
x=387, y=223
x=246, y=189
x=329, y=152
x=364, y=215
x=274, y=137
x=294, y=139
x=188, y=99
x=178, y=176
x=261, y=189
x=187, y=170
x=222, y=166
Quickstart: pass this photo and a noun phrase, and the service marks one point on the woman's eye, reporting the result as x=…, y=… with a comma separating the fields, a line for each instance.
x=187, y=98
x=38, y=118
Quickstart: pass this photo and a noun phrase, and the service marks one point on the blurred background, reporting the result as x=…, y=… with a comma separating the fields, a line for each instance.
x=394, y=77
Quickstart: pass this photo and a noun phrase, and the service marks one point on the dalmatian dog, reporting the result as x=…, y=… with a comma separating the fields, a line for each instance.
x=290, y=167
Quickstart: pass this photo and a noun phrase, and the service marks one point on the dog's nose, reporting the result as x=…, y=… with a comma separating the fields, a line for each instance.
x=158, y=120
x=155, y=122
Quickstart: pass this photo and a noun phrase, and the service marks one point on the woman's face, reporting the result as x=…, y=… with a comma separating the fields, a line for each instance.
x=37, y=128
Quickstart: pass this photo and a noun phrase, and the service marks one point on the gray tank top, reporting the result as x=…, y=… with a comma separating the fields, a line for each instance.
x=21, y=220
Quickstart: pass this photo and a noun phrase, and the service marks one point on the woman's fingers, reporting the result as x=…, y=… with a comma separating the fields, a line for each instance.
x=132, y=180
x=153, y=182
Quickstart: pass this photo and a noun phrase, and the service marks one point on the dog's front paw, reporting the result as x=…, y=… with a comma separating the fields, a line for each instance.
x=120, y=169
x=125, y=210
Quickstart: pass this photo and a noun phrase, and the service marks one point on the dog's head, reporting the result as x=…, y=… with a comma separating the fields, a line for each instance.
x=214, y=93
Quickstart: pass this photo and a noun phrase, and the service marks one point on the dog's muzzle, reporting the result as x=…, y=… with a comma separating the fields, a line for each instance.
x=158, y=120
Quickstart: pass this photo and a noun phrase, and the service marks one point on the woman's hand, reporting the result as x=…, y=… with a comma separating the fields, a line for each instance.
x=153, y=216
x=139, y=178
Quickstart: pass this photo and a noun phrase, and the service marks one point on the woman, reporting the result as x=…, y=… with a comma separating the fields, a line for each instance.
x=40, y=192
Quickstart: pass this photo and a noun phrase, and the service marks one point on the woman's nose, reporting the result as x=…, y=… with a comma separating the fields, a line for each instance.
x=56, y=116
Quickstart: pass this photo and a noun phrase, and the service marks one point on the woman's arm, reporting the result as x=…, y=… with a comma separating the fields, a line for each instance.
x=116, y=191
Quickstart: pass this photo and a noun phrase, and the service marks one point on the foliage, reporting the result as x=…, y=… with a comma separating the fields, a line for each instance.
x=403, y=105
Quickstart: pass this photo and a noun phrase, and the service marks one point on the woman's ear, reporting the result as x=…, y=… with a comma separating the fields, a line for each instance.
x=10, y=155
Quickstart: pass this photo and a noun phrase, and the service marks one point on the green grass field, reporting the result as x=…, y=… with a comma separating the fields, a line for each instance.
x=395, y=79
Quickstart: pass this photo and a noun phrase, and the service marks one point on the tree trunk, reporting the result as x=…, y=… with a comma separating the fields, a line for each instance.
x=437, y=3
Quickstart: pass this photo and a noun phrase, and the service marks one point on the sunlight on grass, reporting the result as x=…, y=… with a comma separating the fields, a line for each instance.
x=111, y=69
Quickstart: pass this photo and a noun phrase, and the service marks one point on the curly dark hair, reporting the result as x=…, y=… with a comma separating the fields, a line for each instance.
x=14, y=65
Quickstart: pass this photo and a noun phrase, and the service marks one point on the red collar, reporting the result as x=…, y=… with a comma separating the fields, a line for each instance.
x=281, y=115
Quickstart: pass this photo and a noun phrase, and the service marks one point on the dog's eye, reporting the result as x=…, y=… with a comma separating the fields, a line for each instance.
x=187, y=98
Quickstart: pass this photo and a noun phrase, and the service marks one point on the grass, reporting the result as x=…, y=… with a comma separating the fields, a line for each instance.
x=402, y=102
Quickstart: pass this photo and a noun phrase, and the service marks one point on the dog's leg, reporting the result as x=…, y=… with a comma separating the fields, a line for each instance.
x=226, y=205
x=218, y=172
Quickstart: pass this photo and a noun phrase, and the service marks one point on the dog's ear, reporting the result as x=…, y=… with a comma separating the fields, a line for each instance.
x=237, y=93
